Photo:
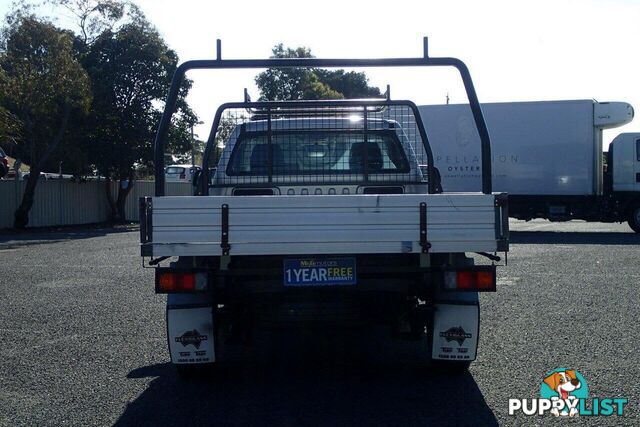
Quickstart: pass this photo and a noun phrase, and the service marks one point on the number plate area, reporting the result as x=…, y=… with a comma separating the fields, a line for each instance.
x=320, y=272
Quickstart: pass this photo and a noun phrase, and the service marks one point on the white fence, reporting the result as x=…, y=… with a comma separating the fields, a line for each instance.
x=62, y=202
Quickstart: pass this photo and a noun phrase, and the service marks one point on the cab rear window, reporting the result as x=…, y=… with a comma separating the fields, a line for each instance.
x=317, y=152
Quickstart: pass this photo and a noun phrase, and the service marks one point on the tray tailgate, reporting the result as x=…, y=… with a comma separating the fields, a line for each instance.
x=288, y=225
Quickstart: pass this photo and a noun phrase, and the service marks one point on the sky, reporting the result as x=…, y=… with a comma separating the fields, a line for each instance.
x=515, y=50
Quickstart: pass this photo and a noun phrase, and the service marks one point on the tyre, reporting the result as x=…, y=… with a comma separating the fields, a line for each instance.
x=634, y=218
x=195, y=372
x=446, y=367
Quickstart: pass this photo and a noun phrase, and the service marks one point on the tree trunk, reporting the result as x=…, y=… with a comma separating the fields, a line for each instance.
x=21, y=215
x=117, y=205
x=122, y=196
x=113, y=210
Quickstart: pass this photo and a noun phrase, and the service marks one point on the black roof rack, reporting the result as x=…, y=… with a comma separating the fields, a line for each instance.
x=219, y=63
x=299, y=109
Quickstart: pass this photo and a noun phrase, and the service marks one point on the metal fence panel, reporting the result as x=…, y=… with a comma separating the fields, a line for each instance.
x=146, y=188
x=63, y=202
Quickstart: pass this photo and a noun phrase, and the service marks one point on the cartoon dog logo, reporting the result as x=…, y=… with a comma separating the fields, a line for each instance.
x=564, y=383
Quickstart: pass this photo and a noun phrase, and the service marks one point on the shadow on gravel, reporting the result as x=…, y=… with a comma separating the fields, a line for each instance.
x=575, y=238
x=323, y=388
x=11, y=238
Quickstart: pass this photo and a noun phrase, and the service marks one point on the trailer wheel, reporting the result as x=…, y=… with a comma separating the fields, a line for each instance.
x=634, y=218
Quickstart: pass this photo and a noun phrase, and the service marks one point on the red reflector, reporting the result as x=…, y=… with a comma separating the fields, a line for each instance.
x=485, y=279
x=188, y=281
x=472, y=280
x=176, y=282
x=167, y=282
x=466, y=279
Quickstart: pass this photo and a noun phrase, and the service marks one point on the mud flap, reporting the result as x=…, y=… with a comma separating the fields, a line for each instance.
x=455, y=332
x=191, y=335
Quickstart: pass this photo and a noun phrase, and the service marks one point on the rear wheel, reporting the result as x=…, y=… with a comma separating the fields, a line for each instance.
x=195, y=372
x=634, y=218
x=446, y=367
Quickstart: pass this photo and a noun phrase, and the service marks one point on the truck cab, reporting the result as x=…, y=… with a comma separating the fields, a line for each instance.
x=625, y=164
x=623, y=173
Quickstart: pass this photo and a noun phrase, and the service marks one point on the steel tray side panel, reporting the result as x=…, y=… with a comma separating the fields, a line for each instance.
x=287, y=225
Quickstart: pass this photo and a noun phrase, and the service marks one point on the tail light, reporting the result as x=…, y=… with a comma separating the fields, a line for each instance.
x=478, y=279
x=177, y=281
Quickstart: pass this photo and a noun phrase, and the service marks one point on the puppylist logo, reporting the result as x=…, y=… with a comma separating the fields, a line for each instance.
x=564, y=393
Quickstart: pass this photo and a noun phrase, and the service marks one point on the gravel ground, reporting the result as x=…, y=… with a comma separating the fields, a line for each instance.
x=82, y=342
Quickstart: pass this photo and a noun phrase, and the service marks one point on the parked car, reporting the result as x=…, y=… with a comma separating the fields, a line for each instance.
x=180, y=173
x=26, y=176
x=4, y=164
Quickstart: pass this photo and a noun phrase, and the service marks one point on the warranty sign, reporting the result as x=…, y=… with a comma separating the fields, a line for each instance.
x=320, y=272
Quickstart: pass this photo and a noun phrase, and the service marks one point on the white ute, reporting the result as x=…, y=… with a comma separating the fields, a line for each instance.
x=319, y=214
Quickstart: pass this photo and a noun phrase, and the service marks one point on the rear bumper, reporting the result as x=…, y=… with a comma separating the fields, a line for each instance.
x=450, y=329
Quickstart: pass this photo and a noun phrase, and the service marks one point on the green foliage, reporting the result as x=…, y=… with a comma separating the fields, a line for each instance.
x=41, y=85
x=314, y=88
x=10, y=127
x=282, y=84
x=108, y=83
x=225, y=128
x=278, y=84
x=350, y=84
x=131, y=72
x=94, y=17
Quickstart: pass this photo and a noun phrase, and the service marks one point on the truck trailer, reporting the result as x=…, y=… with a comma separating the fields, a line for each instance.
x=548, y=156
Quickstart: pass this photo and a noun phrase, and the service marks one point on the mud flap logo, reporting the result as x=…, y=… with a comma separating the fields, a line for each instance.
x=191, y=337
x=458, y=335
x=455, y=332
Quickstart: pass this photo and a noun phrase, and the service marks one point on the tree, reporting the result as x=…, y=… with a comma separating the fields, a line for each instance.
x=41, y=85
x=282, y=84
x=10, y=125
x=94, y=17
x=225, y=128
x=350, y=84
x=131, y=71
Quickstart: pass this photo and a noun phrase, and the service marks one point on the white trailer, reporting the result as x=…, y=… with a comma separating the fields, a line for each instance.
x=547, y=155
